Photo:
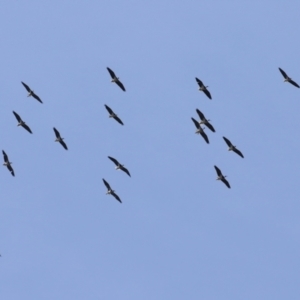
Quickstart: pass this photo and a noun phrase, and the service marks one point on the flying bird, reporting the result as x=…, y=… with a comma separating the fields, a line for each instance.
x=7, y=163
x=119, y=166
x=31, y=92
x=203, y=88
x=113, y=115
x=288, y=79
x=222, y=177
x=110, y=191
x=59, y=138
x=200, y=130
x=115, y=79
x=21, y=122
x=204, y=120
x=232, y=148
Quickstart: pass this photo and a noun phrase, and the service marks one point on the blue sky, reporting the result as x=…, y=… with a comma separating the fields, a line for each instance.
x=179, y=233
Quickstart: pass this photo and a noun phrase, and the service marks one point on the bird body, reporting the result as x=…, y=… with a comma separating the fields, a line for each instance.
x=200, y=130
x=59, y=138
x=31, y=92
x=113, y=115
x=203, y=88
x=119, y=166
x=110, y=191
x=7, y=163
x=288, y=79
x=115, y=79
x=221, y=177
x=232, y=147
x=21, y=122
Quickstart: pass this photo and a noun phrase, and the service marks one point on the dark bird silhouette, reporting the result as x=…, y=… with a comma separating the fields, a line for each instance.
x=113, y=115
x=288, y=79
x=115, y=79
x=21, y=122
x=222, y=177
x=200, y=130
x=232, y=148
x=7, y=163
x=119, y=166
x=203, y=88
x=110, y=191
x=204, y=121
x=59, y=138
x=31, y=92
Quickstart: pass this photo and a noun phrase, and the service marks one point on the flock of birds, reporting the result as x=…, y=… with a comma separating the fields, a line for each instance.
x=112, y=114
x=204, y=121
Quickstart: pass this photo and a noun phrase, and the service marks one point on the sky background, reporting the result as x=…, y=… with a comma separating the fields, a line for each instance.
x=179, y=233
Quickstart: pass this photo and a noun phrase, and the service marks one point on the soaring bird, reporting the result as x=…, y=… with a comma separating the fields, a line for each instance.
x=21, y=122
x=31, y=92
x=115, y=79
x=204, y=120
x=7, y=163
x=113, y=115
x=110, y=191
x=288, y=79
x=59, y=138
x=200, y=130
x=222, y=177
x=119, y=166
x=203, y=88
x=232, y=148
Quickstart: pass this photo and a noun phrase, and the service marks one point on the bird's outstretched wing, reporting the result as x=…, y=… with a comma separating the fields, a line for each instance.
x=114, y=160
x=36, y=97
x=111, y=72
x=203, y=134
x=218, y=171
x=294, y=83
x=238, y=152
x=200, y=114
x=17, y=116
x=208, y=125
x=118, y=120
x=200, y=83
x=120, y=84
x=63, y=144
x=196, y=123
x=110, y=111
x=106, y=184
x=25, y=126
x=5, y=157
x=207, y=93
x=125, y=170
x=116, y=196
x=283, y=73
x=226, y=182
x=26, y=87
x=227, y=141
x=9, y=167
x=57, y=134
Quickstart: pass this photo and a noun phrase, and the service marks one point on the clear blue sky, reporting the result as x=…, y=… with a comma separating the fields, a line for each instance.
x=179, y=233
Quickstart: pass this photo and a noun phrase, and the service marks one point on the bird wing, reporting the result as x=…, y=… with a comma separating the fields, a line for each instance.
x=17, y=116
x=109, y=109
x=226, y=182
x=294, y=83
x=207, y=93
x=227, y=141
x=25, y=126
x=283, y=73
x=116, y=196
x=200, y=83
x=208, y=125
x=106, y=184
x=218, y=171
x=204, y=136
x=26, y=87
x=196, y=123
x=114, y=160
x=56, y=132
x=200, y=114
x=63, y=144
x=111, y=72
x=36, y=97
x=120, y=84
x=5, y=157
x=125, y=170
x=118, y=120
x=9, y=167
x=238, y=152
